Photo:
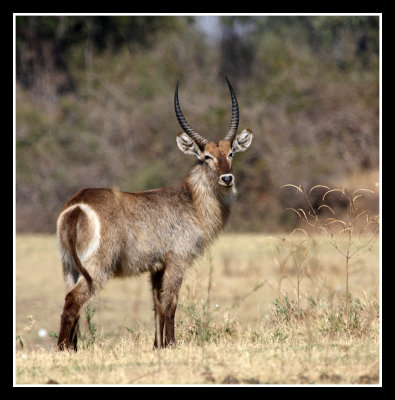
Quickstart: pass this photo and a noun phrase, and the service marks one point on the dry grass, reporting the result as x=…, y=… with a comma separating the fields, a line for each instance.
x=253, y=357
x=246, y=316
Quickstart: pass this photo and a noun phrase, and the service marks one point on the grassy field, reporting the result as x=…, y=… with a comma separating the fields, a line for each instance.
x=256, y=309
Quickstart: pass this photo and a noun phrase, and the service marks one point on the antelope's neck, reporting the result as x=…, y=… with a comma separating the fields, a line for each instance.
x=211, y=202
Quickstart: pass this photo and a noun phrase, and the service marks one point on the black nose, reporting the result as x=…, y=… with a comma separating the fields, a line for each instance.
x=227, y=178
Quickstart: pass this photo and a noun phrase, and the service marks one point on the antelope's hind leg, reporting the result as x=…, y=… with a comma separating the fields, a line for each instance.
x=74, y=300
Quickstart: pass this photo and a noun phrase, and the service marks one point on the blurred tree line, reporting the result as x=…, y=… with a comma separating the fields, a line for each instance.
x=94, y=106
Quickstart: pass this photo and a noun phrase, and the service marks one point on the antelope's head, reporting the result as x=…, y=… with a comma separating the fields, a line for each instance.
x=216, y=157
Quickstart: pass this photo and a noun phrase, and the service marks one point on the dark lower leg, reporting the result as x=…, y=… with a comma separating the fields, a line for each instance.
x=156, y=281
x=70, y=317
x=69, y=321
x=172, y=279
x=170, y=339
x=159, y=324
x=74, y=334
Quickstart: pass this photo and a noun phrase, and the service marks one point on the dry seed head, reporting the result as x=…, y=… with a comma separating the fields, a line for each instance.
x=317, y=186
x=342, y=191
x=325, y=205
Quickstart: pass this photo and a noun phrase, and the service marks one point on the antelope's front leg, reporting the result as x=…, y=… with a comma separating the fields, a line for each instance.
x=156, y=281
x=171, y=284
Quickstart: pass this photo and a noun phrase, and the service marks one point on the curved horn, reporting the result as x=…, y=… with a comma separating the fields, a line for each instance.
x=235, y=115
x=201, y=141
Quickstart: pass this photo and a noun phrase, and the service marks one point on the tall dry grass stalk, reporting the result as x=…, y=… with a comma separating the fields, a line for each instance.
x=358, y=226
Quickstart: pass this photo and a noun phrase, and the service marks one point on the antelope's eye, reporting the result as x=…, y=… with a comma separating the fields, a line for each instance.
x=207, y=157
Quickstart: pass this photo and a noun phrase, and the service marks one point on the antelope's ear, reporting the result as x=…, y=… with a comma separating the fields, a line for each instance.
x=242, y=141
x=188, y=145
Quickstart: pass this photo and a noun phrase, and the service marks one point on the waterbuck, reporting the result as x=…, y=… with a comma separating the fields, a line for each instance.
x=105, y=233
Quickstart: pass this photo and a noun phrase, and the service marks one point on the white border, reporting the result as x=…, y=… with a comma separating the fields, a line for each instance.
x=197, y=14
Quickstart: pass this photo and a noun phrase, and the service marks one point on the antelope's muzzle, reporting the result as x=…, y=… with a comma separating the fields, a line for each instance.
x=226, y=180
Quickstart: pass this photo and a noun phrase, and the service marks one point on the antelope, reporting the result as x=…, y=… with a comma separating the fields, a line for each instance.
x=105, y=233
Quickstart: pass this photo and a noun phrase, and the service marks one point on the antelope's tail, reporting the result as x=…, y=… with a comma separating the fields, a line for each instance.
x=72, y=221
